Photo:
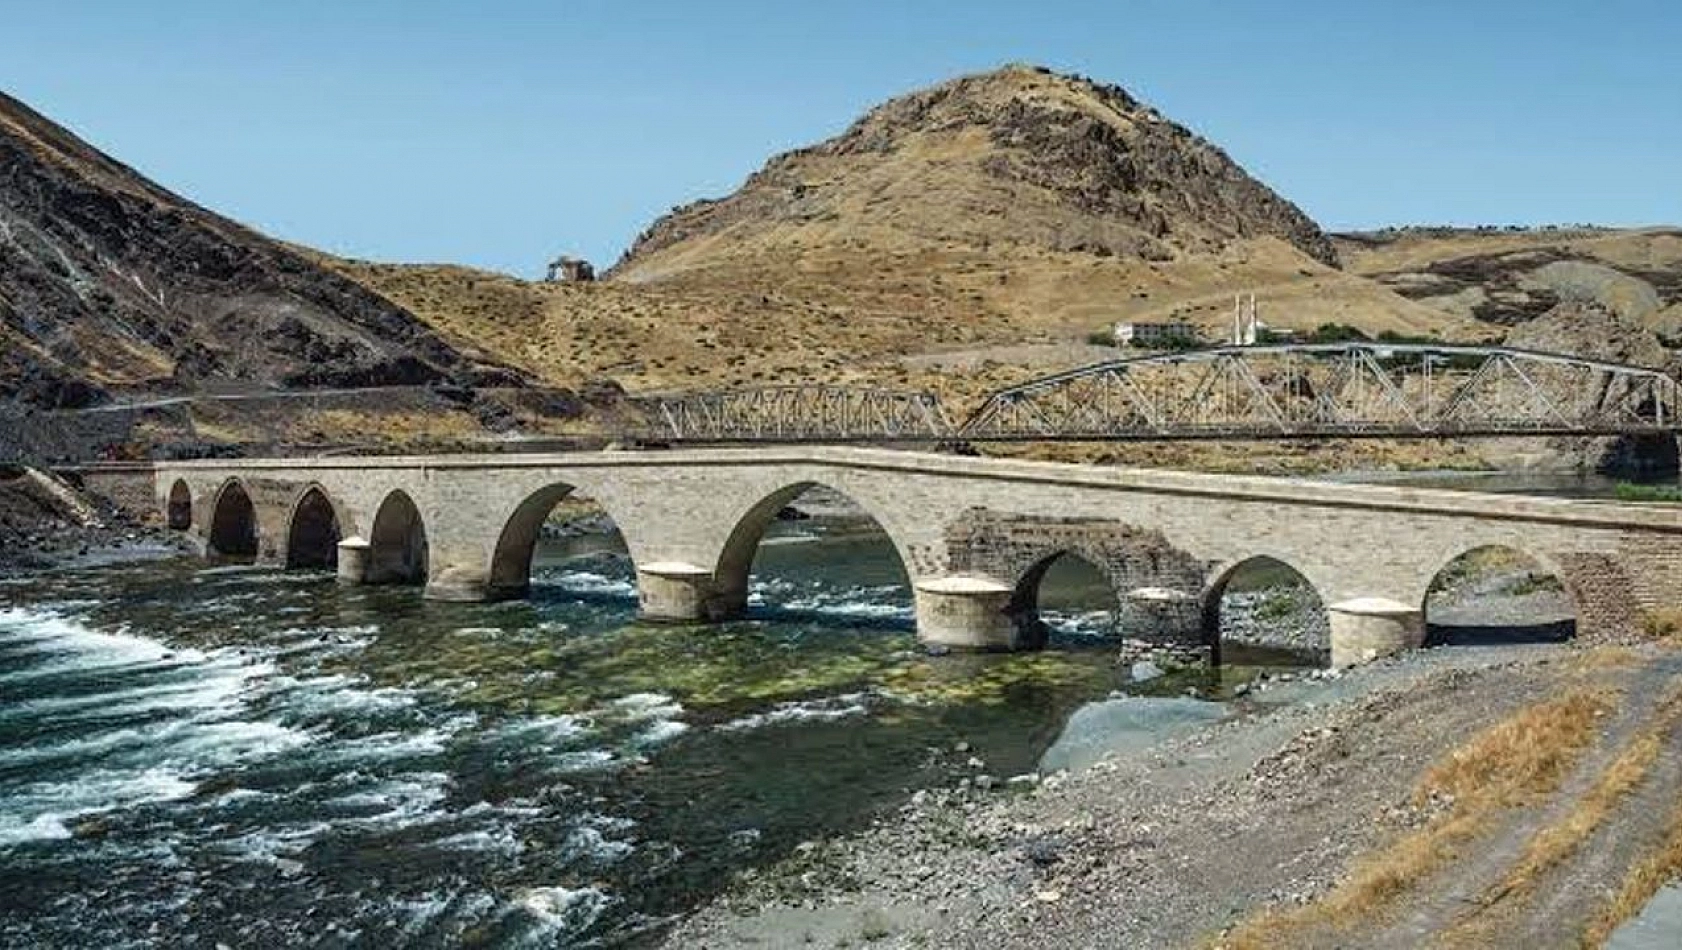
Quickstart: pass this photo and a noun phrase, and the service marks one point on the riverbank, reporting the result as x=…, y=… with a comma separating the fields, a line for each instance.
x=1244, y=832
x=46, y=522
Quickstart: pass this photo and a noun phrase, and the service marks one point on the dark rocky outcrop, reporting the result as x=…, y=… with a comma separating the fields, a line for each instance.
x=1594, y=331
x=108, y=282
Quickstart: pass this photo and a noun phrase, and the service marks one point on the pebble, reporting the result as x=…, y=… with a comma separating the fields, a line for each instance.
x=1144, y=671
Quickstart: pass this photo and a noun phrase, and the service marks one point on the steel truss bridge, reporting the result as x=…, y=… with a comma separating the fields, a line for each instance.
x=1305, y=391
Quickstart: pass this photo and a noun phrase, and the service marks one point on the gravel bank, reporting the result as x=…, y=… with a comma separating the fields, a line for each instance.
x=1159, y=847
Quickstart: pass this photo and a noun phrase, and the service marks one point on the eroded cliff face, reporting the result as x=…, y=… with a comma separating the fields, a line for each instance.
x=1595, y=331
x=1017, y=157
x=109, y=281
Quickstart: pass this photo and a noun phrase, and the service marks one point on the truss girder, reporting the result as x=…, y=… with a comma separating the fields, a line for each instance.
x=1257, y=392
x=1334, y=390
x=792, y=414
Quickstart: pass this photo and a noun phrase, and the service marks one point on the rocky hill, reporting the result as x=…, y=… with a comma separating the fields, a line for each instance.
x=957, y=238
x=1018, y=158
x=110, y=283
x=1509, y=276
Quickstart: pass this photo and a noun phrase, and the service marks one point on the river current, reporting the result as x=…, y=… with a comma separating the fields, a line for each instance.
x=193, y=754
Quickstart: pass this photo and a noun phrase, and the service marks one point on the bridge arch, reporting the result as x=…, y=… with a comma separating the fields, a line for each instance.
x=1275, y=591
x=178, y=510
x=734, y=568
x=1462, y=600
x=314, y=529
x=516, y=543
x=1024, y=607
x=233, y=523
x=397, y=545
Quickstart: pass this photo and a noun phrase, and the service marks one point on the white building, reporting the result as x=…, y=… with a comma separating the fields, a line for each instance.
x=1152, y=335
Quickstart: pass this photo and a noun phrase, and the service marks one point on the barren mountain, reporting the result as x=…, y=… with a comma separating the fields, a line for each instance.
x=955, y=238
x=1510, y=276
x=1018, y=158
x=109, y=281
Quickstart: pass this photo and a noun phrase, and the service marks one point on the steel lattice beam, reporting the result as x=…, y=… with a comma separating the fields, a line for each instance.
x=1345, y=390
x=793, y=414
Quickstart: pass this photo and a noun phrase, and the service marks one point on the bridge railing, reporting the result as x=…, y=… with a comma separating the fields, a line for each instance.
x=791, y=414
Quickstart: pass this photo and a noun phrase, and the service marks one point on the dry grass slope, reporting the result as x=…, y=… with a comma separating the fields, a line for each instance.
x=1507, y=765
x=1554, y=845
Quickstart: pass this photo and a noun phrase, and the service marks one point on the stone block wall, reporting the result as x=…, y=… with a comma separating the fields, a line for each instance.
x=995, y=518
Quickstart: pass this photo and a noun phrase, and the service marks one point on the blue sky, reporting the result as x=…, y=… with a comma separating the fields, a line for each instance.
x=501, y=133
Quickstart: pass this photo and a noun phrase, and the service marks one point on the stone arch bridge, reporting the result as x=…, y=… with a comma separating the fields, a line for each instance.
x=974, y=534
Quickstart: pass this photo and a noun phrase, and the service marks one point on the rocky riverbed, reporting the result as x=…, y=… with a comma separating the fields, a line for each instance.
x=1169, y=843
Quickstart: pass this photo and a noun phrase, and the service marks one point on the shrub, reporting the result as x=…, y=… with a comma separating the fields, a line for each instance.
x=1629, y=491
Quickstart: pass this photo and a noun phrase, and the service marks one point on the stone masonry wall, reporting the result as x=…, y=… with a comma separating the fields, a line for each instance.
x=1007, y=546
x=953, y=515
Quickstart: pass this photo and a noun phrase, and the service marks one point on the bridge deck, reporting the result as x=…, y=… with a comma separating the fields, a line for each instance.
x=1297, y=491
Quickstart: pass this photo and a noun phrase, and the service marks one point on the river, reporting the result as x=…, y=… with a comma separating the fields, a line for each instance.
x=194, y=753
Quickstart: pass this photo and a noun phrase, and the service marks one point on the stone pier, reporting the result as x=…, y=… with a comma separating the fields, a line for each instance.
x=966, y=613
x=1367, y=628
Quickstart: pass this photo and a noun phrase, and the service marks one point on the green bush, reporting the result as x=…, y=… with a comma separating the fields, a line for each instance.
x=1276, y=606
x=1338, y=333
x=1629, y=491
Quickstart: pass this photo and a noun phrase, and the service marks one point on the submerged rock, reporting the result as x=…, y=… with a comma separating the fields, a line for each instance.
x=1123, y=726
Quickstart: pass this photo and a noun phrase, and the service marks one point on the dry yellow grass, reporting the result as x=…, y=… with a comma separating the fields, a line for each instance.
x=1660, y=866
x=854, y=314
x=1508, y=764
x=1663, y=624
x=1638, y=249
x=1599, y=659
x=1525, y=754
x=1557, y=843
